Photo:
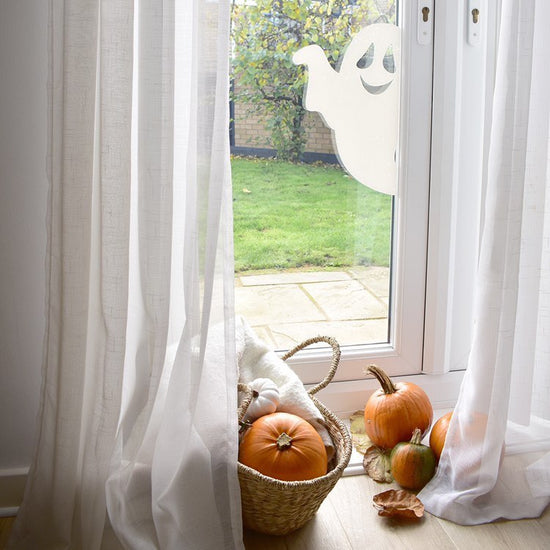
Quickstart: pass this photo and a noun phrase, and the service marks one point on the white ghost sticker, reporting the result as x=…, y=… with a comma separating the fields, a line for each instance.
x=360, y=102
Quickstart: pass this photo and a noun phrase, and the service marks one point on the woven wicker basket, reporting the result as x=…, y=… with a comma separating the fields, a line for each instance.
x=279, y=507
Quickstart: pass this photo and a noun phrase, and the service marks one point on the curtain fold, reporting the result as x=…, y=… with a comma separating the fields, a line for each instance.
x=496, y=459
x=137, y=443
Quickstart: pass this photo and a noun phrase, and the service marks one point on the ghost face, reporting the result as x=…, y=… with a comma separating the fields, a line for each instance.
x=366, y=62
x=371, y=59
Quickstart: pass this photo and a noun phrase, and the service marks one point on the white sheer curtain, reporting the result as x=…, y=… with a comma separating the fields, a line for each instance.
x=496, y=462
x=137, y=443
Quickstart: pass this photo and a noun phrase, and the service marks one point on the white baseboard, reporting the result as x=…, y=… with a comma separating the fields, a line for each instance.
x=9, y=512
x=12, y=487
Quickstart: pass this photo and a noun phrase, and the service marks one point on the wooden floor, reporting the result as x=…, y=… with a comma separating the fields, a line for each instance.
x=348, y=521
x=5, y=527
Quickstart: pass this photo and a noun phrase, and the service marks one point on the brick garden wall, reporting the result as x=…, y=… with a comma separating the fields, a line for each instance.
x=319, y=136
x=250, y=132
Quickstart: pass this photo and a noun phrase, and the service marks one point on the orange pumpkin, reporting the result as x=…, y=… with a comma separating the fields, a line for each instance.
x=284, y=446
x=471, y=434
x=439, y=433
x=412, y=464
x=394, y=411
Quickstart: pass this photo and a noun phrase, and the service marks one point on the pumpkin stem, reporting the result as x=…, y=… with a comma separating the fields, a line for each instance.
x=385, y=381
x=284, y=441
x=416, y=438
x=255, y=394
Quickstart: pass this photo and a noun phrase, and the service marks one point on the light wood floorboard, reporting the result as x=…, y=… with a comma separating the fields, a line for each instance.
x=347, y=521
x=5, y=528
x=544, y=521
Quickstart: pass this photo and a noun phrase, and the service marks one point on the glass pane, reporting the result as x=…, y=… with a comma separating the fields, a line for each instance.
x=312, y=244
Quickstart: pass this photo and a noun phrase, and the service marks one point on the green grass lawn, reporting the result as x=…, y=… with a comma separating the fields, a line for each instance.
x=300, y=215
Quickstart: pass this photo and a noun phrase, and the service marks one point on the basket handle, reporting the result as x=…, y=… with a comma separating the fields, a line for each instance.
x=246, y=399
x=334, y=363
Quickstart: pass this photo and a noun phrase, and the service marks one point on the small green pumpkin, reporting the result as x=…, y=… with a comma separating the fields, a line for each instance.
x=412, y=463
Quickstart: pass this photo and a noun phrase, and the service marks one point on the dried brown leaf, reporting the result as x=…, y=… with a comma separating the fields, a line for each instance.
x=398, y=503
x=359, y=438
x=377, y=464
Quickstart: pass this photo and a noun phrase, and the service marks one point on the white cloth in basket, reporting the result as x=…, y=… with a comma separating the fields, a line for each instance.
x=256, y=360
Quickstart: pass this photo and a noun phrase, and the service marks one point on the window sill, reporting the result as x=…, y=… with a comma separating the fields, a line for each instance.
x=346, y=397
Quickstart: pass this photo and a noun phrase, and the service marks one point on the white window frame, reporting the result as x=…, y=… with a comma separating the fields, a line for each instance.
x=462, y=87
x=403, y=355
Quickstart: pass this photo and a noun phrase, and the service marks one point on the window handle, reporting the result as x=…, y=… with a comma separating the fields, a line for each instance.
x=474, y=22
x=424, y=10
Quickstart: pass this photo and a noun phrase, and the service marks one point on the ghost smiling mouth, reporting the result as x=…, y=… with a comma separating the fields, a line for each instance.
x=375, y=90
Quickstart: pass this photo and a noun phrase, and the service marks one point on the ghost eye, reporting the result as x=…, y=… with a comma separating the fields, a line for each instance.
x=388, y=61
x=367, y=58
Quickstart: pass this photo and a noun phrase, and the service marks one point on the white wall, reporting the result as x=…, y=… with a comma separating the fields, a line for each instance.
x=23, y=195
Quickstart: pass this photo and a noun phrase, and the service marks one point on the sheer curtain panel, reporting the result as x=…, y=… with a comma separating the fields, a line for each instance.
x=496, y=461
x=137, y=440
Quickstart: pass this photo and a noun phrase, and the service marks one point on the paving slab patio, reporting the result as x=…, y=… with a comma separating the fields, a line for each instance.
x=266, y=304
x=346, y=300
x=287, y=307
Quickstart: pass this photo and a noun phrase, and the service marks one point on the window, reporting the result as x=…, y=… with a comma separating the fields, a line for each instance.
x=434, y=217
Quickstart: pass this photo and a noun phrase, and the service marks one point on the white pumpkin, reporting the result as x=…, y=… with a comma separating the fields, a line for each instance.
x=265, y=398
